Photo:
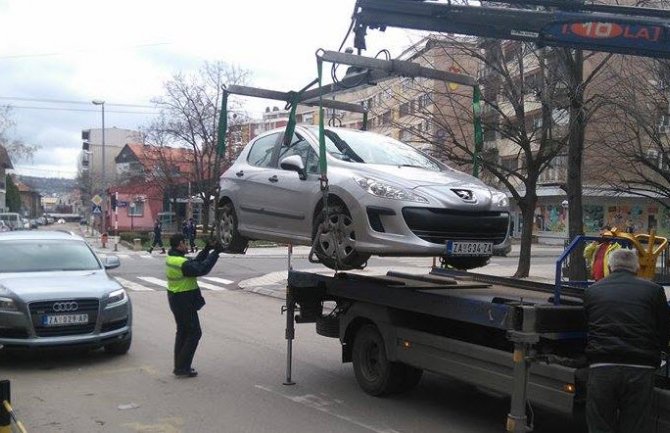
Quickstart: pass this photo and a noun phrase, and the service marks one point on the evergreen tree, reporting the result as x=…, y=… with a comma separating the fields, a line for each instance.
x=13, y=198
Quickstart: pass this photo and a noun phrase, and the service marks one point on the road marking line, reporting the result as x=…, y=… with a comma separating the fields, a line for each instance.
x=333, y=408
x=211, y=287
x=145, y=256
x=156, y=281
x=123, y=256
x=133, y=286
x=217, y=280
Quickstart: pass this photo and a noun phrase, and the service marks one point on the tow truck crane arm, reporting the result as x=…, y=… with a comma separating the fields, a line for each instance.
x=615, y=29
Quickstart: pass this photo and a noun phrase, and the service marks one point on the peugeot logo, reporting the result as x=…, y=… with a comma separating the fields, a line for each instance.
x=464, y=194
x=62, y=307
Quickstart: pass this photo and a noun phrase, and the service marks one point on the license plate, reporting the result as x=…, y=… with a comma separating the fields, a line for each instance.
x=65, y=320
x=466, y=248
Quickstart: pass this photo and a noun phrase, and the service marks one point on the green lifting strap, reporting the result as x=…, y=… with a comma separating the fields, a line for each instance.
x=479, y=134
x=223, y=125
x=290, y=125
x=323, y=165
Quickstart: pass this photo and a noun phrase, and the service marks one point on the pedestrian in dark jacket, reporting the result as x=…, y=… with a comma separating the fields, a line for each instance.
x=185, y=298
x=628, y=327
x=189, y=231
x=158, y=232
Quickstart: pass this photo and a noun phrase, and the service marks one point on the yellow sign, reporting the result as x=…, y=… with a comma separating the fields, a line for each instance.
x=96, y=200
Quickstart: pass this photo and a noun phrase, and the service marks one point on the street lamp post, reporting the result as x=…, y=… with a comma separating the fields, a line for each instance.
x=104, y=195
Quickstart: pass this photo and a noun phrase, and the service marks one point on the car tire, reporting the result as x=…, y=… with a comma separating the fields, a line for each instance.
x=325, y=246
x=119, y=348
x=465, y=263
x=229, y=235
x=375, y=374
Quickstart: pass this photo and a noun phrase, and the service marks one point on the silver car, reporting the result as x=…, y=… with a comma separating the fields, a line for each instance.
x=385, y=198
x=54, y=291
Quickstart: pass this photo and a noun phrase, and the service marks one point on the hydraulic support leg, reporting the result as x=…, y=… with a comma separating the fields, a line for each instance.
x=289, y=308
x=517, y=421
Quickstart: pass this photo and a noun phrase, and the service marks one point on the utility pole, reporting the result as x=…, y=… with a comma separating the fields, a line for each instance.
x=103, y=228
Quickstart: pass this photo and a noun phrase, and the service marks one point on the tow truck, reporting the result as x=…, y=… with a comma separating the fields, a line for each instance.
x=520, y=338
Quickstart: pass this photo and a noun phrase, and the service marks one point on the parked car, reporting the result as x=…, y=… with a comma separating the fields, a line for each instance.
x=12, y=220
x=54, y=291
x=33, y=224
x=4, y=227
x=386, y=198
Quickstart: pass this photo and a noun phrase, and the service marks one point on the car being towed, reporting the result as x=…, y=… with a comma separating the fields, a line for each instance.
x=385, y=198
x=54, y=291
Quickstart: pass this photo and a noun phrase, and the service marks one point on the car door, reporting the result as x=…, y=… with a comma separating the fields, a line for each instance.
x=255, y=187
x=292, y=198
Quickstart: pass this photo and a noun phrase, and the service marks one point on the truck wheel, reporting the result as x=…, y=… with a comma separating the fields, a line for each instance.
x=237, y=244
x=339, y=241
x=375, y=374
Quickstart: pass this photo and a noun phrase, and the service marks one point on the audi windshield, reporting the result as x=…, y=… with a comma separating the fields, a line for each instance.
x=46, y=256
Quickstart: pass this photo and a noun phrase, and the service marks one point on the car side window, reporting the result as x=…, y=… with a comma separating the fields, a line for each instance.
x=300, y=146
x=261, y=151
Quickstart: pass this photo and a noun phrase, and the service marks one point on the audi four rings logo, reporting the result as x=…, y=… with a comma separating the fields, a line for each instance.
x=65, y=306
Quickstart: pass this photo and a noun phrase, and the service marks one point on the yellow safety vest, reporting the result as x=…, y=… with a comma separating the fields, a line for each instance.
x=177, y=282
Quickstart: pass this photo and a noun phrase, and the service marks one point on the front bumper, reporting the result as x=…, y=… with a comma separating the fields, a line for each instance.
x=23, y=329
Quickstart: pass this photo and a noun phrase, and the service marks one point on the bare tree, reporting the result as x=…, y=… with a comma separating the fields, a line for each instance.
x=189, y=119
x=17, y=149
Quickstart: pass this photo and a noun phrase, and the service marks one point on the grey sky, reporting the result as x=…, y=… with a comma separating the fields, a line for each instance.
x=123, y=51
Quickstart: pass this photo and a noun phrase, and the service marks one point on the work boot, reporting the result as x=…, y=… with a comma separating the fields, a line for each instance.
x=162, y=250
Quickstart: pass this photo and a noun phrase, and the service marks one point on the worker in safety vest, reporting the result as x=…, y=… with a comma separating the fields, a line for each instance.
x=185, y=298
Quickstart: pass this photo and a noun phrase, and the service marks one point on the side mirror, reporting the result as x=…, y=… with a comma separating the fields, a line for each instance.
x=111, y=262
x=294, y=163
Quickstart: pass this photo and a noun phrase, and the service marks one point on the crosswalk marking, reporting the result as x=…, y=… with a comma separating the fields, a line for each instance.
x=211, y=287
x=146, y=256
x=156, y=281
x=133, y=286
x=123, y=256
x=218, y=280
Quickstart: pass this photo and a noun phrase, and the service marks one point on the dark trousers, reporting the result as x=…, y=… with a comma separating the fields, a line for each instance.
x=619, y=399
x=157, y=241
x=184, y=308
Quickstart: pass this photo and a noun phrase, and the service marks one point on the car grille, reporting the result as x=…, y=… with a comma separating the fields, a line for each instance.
x=39, y=309
x=440, y=225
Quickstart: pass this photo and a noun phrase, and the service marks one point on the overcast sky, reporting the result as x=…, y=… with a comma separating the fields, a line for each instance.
x=123, y=51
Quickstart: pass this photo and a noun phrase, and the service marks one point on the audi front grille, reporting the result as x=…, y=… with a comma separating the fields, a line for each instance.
x=84, y=306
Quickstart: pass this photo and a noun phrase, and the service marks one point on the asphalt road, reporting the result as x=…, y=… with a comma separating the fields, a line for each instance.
x=241, y=361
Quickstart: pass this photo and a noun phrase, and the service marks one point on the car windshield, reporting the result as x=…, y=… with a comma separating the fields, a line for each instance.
x=356, y=146
x=45, y=256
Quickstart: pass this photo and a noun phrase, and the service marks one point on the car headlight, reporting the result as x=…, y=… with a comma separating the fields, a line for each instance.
x=500, y=200
x=116, y=297
x=385, y=190
x=8, y=304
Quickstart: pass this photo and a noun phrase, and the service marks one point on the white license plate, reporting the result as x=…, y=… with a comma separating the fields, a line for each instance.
x=465, y=248
x=65, y=319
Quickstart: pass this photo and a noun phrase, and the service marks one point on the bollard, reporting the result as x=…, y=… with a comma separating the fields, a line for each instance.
x=5, y=418
x=103, y=239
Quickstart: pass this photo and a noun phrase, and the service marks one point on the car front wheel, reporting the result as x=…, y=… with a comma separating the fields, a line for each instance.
x=336, y=244
x=229, y=235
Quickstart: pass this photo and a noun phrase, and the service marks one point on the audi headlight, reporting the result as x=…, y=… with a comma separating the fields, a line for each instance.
x=8, y=304
x=116, y=297
x=385, y=190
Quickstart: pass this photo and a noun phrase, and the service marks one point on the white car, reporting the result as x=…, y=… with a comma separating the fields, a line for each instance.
x=61, y=221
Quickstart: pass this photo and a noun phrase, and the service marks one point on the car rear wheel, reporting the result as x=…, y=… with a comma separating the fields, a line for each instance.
x=465, y=263
x=229, y=235
x=338, y=241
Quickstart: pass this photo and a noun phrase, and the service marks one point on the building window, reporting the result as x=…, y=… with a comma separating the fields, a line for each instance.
x=404, y=109
x=424, y=101
x=387, y=117
x=136, y=209
x=509, y=163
